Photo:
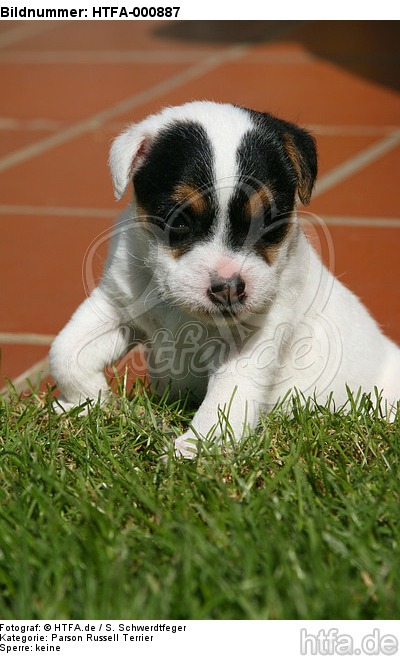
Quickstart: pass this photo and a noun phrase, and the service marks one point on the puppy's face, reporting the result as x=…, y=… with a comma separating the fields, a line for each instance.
x=215, y=190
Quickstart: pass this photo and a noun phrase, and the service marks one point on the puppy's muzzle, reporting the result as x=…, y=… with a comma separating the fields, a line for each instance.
x=226, y=292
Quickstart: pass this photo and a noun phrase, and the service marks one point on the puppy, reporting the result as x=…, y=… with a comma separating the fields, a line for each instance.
x=210, y=271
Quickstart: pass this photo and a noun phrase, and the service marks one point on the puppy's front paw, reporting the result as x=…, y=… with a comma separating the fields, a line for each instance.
x=61, y=406
x=185, y=446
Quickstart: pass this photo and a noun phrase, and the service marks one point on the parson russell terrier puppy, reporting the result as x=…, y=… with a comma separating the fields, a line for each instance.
x=210, y=271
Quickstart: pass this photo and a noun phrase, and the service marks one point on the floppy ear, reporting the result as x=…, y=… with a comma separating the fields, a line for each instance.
x=301, y=150
x=128, y=152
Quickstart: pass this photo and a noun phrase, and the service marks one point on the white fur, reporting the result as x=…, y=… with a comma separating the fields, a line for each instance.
x=300, y=327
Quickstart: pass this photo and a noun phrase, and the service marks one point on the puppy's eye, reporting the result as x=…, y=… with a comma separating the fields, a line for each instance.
x=180, y=222
x=263, y=218
x=178, y=228
x=260, y=210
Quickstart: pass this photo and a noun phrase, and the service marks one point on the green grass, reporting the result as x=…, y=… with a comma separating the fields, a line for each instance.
x=300, y=521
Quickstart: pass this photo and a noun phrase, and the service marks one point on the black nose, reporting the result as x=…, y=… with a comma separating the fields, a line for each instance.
x=227, y=291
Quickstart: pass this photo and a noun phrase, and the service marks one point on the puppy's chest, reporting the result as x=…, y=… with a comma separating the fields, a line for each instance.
x=178, y=343
x=179, y=354
x=187, y=350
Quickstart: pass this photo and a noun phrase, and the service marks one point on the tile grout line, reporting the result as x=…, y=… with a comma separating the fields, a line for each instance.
x=50, y=57
x=70, y=212
x=26, y=339
x=104, y=56
x=21, y=32
x=101, y=213
x=350, y=222
x=20, y=383
x=356, y=130
x=97, y=120
x=357, y=163
x=30, y=125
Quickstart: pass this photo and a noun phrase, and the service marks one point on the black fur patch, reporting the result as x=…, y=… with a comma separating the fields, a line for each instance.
x=265, y=166
x=275, y=160
x=181, y=154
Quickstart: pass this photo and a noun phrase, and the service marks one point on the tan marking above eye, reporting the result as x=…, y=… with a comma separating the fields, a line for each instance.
x=186, y=194
x=258, y=203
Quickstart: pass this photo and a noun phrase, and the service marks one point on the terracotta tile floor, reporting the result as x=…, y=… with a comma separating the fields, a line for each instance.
x=68, y=87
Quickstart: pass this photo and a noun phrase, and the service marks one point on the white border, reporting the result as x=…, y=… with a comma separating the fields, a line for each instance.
x=210, y=10
x=154, y=637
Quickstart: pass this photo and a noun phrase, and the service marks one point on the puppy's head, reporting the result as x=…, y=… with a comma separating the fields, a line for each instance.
x=214, y=191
